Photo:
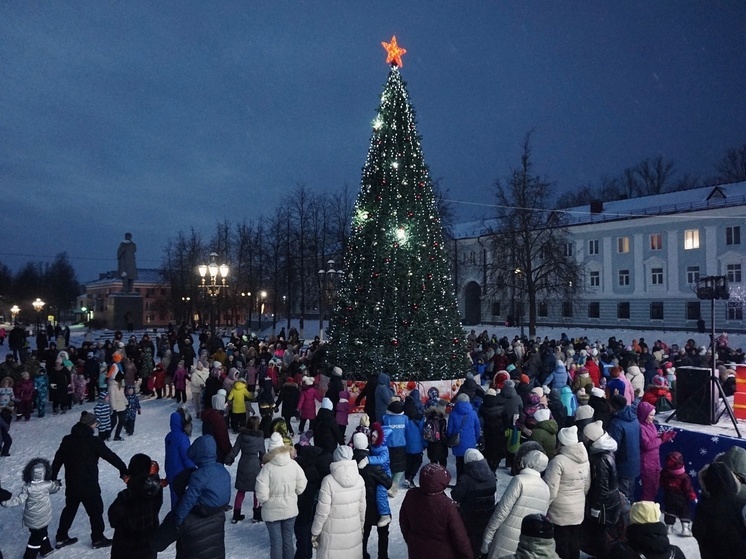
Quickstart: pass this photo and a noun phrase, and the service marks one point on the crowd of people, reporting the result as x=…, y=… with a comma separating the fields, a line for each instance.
x=572, y=420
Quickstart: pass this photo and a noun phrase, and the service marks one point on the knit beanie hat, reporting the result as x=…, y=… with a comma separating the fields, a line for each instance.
x=365, y=420
x=473, y=455
x=462, y=398
x=542, y=415
x=87, y=419
x=217, y=365
x=337, y=371
x=103, y=395
x=645, y=512
x=305, y=438
x=491, y=392
x=343, y=452
x=308, y=381
x=525, y=379
x=583, y=412
x=359, y=441
x=537, y=526
x=568, y=435
x=509, y=383
x=597, y=392
x=326, y=404
x=594, y=431
x=396, y=407
x=275, y=441
x=674, y=461
x=538, y=390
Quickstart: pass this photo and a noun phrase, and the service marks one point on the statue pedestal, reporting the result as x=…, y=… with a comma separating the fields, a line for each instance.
x=120, y=305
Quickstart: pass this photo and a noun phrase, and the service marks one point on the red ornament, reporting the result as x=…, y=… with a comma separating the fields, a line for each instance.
x=456, y=341
x=394, y=52
x=394, y=342
x=411, y=385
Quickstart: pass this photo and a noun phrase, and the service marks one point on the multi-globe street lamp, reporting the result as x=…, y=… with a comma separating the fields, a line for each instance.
x=14, y=310
x=38, y=306
x=328, y=281
x=213, y=278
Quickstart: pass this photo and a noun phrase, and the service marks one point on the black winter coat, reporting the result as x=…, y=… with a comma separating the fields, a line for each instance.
x=335, y=387
x=475, y=494
x=79, y=453
x=369, y=394
x=134, y=517
x=604, y=492
x=203, y=537
x=649, y=540
x=372, y=476
x=492, y=416
x=326, y=433
x=314, y=462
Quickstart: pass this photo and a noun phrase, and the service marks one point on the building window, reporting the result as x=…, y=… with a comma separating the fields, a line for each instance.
x=622, y=310
x=472, y=257
x=567, y=309
x=622, y=245
x=691, y=239
x=692, y=274
x=543, y=309
x=623, y=277
x=594, y=310
x=656, y=241
x=735, y=310
x=495, y=309
x=568, y=250
x=733, y=271
x=593, y=246
x=595, y=279
x=500, y=281
x=656, y=276
x=733, y=235
x=693, y=310
x=656, y=310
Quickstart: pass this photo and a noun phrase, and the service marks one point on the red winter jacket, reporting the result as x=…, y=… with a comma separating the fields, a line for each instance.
x=307, y=402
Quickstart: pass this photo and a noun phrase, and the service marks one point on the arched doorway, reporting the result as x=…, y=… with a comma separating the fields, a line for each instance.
x=472, y=304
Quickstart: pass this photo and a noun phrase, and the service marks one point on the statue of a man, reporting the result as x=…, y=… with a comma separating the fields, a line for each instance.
x=127, y=269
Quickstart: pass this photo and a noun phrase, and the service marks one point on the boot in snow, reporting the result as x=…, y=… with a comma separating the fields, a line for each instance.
x=686, y=529
x=237, y=516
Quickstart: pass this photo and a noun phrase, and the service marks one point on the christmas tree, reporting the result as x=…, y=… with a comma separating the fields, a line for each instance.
x=396, y=311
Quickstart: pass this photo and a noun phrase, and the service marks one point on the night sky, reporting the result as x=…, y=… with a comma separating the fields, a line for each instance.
x=152, y=117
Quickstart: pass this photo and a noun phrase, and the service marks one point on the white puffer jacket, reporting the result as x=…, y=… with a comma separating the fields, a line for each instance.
x=568, y=476
x=526, y=494
x=37, y=512
x=340, y=512
x=634, y=375
x=117, y=398
x=278, y=485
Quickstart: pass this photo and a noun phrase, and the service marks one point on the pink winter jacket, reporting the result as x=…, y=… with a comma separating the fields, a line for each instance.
x=307, y=402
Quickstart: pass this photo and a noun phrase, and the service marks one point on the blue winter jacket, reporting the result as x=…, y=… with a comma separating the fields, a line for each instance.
x=379, y=454
x=397, y=423
x=384, y=393
x=463, y=419
x=625, y=430
x=569, y=401
x=177, y=445
x=558, y=378
x=413, y=432
x=209, y=485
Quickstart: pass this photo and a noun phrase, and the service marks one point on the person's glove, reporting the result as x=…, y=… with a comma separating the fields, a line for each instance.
x=139, y=412
x=485, y=547
x=364, y=462
x=58, y=483
x=315, y=541
x=297, y=414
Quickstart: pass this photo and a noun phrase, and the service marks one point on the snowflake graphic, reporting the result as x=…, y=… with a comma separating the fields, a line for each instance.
x=693, y=472
x=715, y=439
x=702, y=451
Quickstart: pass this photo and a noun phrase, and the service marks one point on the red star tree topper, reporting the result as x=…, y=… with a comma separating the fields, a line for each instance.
x=394, y=51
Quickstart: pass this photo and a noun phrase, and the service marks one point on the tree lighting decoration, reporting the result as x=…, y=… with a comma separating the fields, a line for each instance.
x=394, y=52
x=396, y=308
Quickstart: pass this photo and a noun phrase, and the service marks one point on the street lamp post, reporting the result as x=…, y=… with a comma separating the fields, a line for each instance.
x=328, y=280
x=262, y=297
x=38, y=306
x=185, y=300
x=14, y=310
x=213, y=278
x=245, y=294
x=287, y=310
x=521, y=275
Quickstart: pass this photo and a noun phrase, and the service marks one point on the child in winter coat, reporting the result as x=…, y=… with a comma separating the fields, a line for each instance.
x=343, y=411
x=379, y=456
x=7, y=396
x=132, y=411
x=250, y=445
x=307, y=402
x=102, y=411
x=24, y=394
x=362, y=427
x=6, y=416
x=658, y=394
x=180, y=383
x=415, y=444
x=396, y=421
x=289, y=397
x=434, y=434
x=571, y=404
x=37, y=511
x=159, y=380
x=41, y=392
x=678, y=494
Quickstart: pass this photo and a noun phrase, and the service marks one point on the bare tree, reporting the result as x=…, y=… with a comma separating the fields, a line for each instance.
x=732, y=167
x=654, y=175
x=529, y=240
x=181, y=257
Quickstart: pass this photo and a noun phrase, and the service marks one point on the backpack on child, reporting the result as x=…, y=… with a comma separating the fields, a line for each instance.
x=434, y=429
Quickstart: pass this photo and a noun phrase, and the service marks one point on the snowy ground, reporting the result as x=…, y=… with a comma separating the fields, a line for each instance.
x=41, y=437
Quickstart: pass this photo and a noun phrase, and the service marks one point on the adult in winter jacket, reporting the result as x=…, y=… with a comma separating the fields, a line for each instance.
x=118, y=402
x=250, y=445
x=475, y=495
x=439, y=534
x=368, y=393
x=384, y=393
x=200, y=514
x=326, y=433
x=526, y=494
x=278, y=485
x=315, y=464
x=603, y=505
x=134, y=513
x=238, y=397
x=718, y=524
x=413, y=434
x=289, y=397
x=545, y=432
x=213, y=423
x=735, y=459
x=197, y=381
x=395, y=421
x=336, y=385
x=177, y=445
x=309, y=395
x=464, y=421
x=624, y=428
x=79, y=452
x=536, y=540
x=636, y=378
x=37, y=511
x=646, y=535
x=558, y=378
x=650, y=458
x=492, y=415
x=568, y=476
x=340, y=511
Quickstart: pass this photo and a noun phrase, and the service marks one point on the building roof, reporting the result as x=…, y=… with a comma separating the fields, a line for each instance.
x=683, y=201
x=144, y=275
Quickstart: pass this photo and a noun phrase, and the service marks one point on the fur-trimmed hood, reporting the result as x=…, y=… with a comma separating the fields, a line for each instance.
x=279, y=456
x=38, y=469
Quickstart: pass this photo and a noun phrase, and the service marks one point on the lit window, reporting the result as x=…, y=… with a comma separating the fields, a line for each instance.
x=656, y=241
x=733, y=235
x=656, y=276
x=691, y=239
x=622, y=245
x=593, y=246
x=623, y=277
x=733, y=271
x=595, y=279
x=692, y=274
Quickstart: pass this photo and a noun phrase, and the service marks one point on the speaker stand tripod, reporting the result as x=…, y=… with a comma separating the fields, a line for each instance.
x=714, y=415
